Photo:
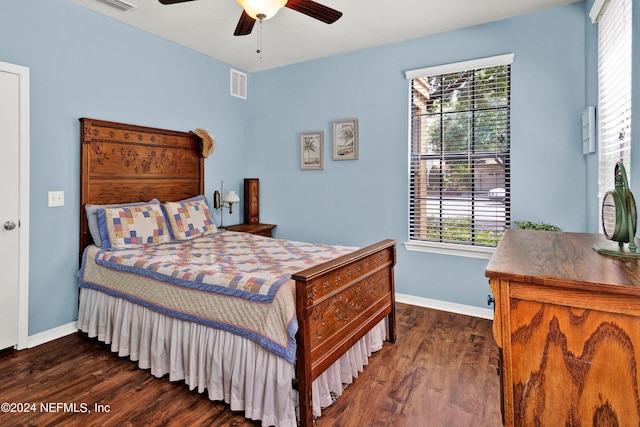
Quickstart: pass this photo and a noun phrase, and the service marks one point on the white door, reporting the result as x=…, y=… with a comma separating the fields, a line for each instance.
x=10, y=253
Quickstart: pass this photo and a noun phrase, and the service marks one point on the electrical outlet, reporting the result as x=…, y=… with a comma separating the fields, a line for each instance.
x=56, y=198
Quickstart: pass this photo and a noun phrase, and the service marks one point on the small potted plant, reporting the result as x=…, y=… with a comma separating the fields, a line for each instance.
x=542, y=226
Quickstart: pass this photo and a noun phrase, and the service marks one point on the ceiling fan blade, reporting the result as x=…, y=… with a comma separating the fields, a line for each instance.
x=245, y=25
x=173, y=1
x=315, y=10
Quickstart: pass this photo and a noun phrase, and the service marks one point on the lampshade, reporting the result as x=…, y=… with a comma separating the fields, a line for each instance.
x=231, y=197
x=268, y=8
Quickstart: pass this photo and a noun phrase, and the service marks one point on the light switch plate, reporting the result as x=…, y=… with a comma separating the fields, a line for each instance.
x=56, y=198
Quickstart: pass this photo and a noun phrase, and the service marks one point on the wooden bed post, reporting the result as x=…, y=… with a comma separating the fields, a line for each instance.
x=303, y=368
x=337, y=303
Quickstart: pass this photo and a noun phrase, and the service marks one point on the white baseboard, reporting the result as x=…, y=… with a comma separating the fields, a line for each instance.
x=468, y=310
x=52, y=334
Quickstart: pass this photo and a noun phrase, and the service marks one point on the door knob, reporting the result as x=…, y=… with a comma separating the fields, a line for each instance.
x=9, y=225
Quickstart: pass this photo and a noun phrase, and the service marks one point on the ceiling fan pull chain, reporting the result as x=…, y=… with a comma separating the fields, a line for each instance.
x=259, y=51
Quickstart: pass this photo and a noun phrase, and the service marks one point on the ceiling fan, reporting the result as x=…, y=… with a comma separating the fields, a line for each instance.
x=264, y=9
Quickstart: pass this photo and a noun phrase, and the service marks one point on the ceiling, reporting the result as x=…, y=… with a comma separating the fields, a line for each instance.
x=207, y=26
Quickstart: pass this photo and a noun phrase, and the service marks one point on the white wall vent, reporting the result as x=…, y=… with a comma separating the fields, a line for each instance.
x=118, y=4
x=238, y=84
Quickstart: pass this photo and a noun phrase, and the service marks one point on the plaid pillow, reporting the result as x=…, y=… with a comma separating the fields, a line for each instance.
x=189, y=218
x=132, y=226
x=92, y=217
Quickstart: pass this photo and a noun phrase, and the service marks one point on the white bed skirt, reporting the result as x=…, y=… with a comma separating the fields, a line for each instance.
x=229, y=367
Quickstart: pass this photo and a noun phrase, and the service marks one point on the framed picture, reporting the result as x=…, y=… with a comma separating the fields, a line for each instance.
x=312, y=150
x=345, y=139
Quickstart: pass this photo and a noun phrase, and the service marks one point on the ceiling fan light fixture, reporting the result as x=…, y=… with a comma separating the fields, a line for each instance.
x=262, y=9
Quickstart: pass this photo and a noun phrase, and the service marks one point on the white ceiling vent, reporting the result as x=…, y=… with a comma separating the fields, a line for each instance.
x=118, y=4
x=238, y=84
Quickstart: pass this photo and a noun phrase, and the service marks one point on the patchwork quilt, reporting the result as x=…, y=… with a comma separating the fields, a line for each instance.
x=238, y=282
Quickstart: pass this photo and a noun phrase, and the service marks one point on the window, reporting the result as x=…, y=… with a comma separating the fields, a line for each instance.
x=614, y=88
x=460, y=161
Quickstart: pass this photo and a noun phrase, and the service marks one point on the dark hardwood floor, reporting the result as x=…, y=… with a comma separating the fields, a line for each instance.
x=440, y=372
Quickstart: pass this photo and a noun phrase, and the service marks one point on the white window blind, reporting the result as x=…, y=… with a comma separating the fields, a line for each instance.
x=460, y=152
x=614, y=88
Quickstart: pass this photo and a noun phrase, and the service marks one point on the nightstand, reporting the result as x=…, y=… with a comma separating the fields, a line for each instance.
x=260, y=229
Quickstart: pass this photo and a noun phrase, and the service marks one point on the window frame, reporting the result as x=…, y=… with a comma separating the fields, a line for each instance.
x=615, y=80
x=432, y=246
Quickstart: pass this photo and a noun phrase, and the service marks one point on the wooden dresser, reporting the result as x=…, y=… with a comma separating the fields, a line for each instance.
x=567, y=321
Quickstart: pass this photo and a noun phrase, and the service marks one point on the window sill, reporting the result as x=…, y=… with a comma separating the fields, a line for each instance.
x=481, y=252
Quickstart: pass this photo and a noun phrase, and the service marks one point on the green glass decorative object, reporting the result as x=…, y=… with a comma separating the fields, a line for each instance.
x=619, y=218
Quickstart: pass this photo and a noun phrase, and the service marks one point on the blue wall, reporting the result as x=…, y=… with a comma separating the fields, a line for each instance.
x=83, y=64
x=359, y=202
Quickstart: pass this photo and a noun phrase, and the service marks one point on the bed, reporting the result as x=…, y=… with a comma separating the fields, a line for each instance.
x=344, y=306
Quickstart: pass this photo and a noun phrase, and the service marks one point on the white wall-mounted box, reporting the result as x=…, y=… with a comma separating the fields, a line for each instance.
x=589, y=130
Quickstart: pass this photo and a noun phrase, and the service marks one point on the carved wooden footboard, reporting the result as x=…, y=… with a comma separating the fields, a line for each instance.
x=338, y=302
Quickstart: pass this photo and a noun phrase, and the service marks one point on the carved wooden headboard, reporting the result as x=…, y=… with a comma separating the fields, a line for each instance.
x=123, y=163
